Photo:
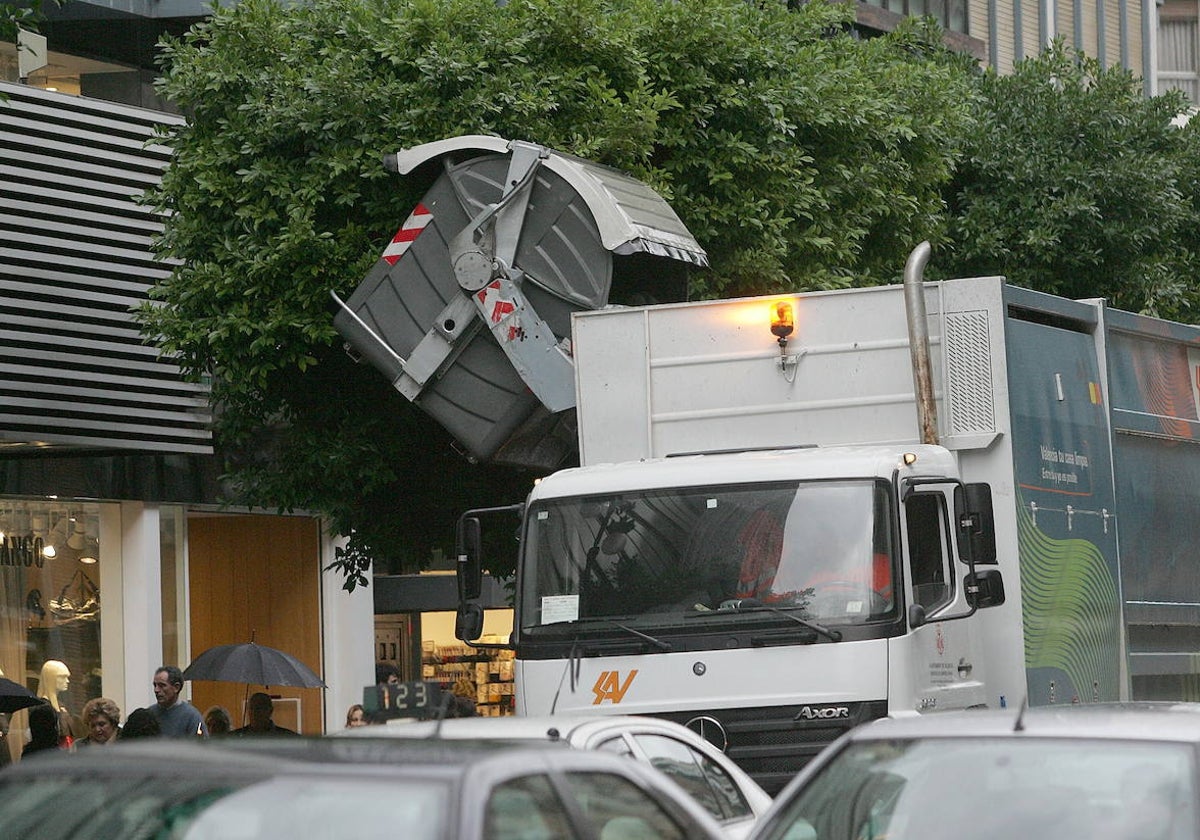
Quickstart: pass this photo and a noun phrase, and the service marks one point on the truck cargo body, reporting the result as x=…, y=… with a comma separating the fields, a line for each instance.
x=636, y=579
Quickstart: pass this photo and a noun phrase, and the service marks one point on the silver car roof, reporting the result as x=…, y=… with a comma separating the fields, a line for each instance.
x=1129, y=721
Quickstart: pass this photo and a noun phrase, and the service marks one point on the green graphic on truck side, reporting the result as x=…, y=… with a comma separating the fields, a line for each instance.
x=1070, y=614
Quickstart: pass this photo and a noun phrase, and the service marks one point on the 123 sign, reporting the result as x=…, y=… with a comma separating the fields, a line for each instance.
x=405, y=699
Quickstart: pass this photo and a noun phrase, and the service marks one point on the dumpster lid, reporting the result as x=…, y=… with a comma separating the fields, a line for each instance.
x=630, y=216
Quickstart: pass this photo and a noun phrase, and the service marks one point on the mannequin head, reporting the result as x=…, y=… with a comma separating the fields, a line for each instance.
x=55, y=679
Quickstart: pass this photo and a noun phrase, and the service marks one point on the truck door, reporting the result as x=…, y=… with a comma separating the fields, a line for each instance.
x=941, y=657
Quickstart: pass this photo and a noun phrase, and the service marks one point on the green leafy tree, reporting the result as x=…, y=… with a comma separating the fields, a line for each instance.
x=15, y=16
x=1075, y=183
x=799, y=156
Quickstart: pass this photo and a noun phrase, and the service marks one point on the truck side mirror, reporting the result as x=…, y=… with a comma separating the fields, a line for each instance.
x=984, y=588
x=469, y=569
x=468, y=624
x=976, y=523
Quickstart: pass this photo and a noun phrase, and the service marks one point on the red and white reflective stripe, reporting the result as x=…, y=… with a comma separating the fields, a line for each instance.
x=499, y=308
x=494, y=304
x=409, y=231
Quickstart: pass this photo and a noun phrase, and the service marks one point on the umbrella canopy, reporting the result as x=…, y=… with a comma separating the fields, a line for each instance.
x=14, y=696
x=251, y=662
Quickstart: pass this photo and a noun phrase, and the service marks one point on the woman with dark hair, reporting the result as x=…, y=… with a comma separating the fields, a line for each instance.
x=43, y=729
x=141, y=724
x=386, y=673
x=217, y=720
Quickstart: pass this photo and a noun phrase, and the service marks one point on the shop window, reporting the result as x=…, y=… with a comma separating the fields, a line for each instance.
x=484, y=676
x=50, y=605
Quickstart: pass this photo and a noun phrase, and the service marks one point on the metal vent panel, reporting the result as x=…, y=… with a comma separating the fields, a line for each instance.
x=971, y=404
x=75, y=259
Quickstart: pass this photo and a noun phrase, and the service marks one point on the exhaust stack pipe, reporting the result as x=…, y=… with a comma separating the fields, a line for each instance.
x=918, y=341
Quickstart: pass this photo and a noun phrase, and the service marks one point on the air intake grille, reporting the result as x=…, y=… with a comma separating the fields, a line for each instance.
x=969, y=373
x=773, y=743
x=75, y=258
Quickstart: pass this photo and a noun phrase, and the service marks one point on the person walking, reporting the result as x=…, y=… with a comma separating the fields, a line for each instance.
x=141, y=724
x=356, y=716
x=217, y=721
x=177, y=718
x=260, y=708
x=43, y=730
x=102, y=717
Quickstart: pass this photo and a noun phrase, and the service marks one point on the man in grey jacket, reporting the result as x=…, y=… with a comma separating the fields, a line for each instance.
x=176, y=717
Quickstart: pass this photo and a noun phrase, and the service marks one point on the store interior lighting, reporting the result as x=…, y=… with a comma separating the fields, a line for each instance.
x=65, y=534
x=78, y=536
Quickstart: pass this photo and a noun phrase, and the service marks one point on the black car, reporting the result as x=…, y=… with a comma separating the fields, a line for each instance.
x=340, y=789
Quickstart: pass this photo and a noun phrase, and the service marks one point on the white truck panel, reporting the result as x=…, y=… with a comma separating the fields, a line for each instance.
x=702, y=376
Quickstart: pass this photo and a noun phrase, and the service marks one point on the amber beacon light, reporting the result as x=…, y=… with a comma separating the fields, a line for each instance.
x=783, y=324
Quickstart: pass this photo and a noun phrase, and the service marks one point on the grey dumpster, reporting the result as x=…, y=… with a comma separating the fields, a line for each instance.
x=468, y=309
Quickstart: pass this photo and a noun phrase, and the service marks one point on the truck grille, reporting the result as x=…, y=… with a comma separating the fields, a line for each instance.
x=772, y=743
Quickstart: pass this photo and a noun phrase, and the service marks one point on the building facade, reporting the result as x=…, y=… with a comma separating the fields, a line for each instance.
x=1118, y=33
x=115, y=553
x=1179, y=47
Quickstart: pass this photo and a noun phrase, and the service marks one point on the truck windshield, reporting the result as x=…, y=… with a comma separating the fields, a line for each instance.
x=822, y=549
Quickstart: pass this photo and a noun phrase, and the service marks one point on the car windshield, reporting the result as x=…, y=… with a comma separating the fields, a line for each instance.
x=822, y=549
x=183, y=808
x=997, y=789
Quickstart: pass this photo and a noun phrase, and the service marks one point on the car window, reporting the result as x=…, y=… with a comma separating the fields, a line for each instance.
x=702, y=778
x=616, y=746
x=1019, y=789
x=727, y=791
x=197, y=808
x=617, y=809
x=526, y=808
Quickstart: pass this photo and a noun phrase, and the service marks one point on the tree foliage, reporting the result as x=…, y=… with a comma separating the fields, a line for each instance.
x=1075, y=183
x=17, y=16
x=799, y=156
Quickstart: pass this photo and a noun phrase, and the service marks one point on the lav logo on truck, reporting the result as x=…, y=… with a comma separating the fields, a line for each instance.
x=823, y=713
x=610, y=687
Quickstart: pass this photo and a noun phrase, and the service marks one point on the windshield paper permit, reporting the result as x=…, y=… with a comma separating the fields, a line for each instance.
x=556, y=608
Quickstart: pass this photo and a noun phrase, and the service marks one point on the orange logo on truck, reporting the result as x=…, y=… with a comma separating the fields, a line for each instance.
x=609, y=686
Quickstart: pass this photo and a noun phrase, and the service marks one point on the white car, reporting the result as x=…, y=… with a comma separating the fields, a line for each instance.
x=710, y=776
x=302, y=788
x=1095, y=771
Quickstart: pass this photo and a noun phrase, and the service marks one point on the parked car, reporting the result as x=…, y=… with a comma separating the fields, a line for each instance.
x=696, y=765
x=1101, y=772
x=246, y=789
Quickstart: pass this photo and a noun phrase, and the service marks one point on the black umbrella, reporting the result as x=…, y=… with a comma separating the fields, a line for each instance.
x=253, y=663
x=14, y=696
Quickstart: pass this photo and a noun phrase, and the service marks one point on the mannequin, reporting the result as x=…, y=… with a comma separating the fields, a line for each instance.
x=54, y=682
x=55, y=679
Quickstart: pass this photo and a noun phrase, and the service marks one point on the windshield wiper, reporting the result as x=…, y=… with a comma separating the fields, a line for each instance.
x=739, y=604
x=658, y=643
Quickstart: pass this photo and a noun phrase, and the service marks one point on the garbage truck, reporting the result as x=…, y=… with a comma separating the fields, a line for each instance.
x=793, y=514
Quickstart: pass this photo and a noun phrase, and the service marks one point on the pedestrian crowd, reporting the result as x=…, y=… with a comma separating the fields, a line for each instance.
x=52, y=727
